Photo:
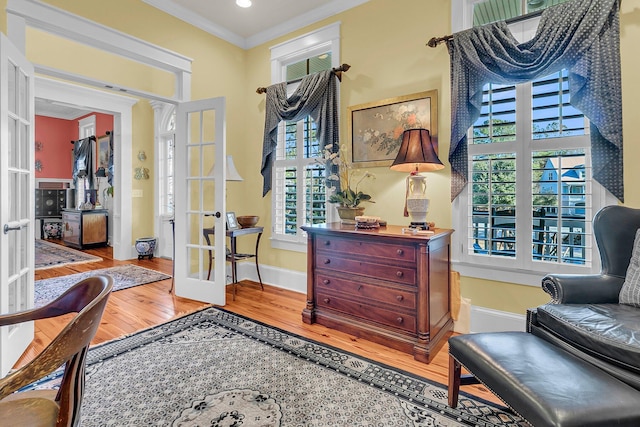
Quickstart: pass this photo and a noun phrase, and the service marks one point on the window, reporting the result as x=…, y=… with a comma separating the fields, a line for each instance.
x=298, y=188
x=530, y=198
x=166, y=139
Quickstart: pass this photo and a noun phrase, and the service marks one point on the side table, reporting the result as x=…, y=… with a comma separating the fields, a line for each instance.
x=233, y=256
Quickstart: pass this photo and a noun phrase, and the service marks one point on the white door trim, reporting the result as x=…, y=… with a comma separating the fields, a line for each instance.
x=35, y=14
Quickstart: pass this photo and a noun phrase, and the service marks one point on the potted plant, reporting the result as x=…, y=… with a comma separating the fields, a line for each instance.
x=344, y=185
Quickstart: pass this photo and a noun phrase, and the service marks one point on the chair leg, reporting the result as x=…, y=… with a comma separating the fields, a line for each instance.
x=454, y=381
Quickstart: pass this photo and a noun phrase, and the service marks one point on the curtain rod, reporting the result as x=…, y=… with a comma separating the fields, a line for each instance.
x=435, y=41
x=337, y=70
x=92, y=138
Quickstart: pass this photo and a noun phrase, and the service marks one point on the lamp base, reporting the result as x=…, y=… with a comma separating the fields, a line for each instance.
x=419, y=225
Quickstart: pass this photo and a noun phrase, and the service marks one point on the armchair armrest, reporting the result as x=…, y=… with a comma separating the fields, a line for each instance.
x=582, y=288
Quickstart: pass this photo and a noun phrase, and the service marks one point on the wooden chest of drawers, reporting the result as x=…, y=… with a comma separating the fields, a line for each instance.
x=382, y=285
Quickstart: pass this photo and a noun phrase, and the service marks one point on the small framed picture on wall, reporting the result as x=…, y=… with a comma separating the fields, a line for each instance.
x=232, y=222
x=102, y=159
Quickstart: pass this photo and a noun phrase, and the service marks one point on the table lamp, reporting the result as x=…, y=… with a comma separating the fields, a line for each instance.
x=100, y=173
x=232, y=172
x=416, y=154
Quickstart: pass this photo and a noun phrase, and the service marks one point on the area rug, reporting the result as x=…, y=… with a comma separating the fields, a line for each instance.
x=215, y=368
x=50, y=255
x=124, y=276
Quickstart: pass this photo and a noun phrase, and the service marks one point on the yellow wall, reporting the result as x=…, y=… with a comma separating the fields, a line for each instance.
x=217, y=70
x=384, y=42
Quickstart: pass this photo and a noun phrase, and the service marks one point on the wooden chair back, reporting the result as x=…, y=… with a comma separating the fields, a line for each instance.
x=88, y=298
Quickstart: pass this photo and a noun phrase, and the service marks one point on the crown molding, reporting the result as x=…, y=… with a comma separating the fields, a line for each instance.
x=197, y=21
x=311, y=17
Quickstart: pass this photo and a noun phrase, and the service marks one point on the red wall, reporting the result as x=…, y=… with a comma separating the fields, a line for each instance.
x=104, y=123
x=55, y=136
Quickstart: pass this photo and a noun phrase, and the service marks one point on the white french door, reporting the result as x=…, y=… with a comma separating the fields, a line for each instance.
x=17, y=201
x=200, y=200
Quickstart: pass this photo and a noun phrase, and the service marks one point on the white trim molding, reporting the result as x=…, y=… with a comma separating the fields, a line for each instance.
x=32, y=13
x=481, y=319
x=325, y=11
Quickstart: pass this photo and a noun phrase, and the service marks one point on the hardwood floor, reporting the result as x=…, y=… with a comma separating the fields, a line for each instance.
x=144, y=306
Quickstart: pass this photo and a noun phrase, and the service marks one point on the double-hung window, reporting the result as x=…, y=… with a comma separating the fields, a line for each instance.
x=530, y=197
x=298, y=187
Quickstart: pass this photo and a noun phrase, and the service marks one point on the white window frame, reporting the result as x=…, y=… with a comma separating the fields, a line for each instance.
x=519, y=270
x=314, y=43
x=163, y=113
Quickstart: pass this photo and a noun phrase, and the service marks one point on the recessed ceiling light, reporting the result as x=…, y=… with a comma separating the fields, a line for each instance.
x=243, y=3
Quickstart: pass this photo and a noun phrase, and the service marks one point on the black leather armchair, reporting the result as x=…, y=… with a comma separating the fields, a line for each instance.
x=584, y=316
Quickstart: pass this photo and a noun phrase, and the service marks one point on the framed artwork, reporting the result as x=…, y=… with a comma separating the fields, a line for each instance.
x=102, y=159
x=232, y=222
x=376, y=128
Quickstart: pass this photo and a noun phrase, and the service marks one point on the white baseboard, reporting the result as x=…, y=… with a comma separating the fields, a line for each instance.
x=287, y=279
x=488, y=320
x=481, y=319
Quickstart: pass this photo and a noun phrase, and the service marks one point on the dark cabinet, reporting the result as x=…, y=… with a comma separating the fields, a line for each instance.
x=50, y=203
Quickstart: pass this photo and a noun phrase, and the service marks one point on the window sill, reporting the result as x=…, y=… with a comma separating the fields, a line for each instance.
x=500, y=274
x=288, y=245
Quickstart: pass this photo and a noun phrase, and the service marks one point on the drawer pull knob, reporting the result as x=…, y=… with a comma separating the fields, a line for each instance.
x=327, y=242
x=327, y=300
x=326, y=281
x=327, y=261
x=399, y=297
x=399, y=320
x=400, y=252
x=399, y=273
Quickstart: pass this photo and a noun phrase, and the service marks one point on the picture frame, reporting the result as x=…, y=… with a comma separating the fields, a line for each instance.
x=376, y=128
x=232, y=222
x=103, y=152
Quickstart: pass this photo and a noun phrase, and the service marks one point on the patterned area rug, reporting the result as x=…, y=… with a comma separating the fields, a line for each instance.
x=50, y=255
x=215, y=368
x=124, y=276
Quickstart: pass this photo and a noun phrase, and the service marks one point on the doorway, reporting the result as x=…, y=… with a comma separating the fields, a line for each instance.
x=120, y=108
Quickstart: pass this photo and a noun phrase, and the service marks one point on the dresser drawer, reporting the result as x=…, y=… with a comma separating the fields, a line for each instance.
x=329, y=284
x=71, y=229
x=335, y=262
x=388, y=252
x=368, y=312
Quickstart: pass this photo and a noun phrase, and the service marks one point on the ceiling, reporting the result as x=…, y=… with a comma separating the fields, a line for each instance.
x=45, y=107
x=263, y=21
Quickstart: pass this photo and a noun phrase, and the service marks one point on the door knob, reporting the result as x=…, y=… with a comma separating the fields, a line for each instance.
x=13, y=226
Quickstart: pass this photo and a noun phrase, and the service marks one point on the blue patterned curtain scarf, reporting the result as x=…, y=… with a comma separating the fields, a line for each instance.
x=316, y=96
x=582, y=36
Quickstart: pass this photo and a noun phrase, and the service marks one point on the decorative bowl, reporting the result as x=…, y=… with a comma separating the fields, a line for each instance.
x=248, y=221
